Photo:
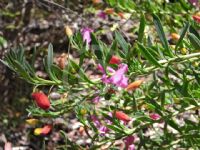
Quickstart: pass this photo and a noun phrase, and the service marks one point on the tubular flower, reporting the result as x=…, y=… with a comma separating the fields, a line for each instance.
x=196, y=18
x=134, y=85
x=117, y=77
x=122, y=116
x=46, y=129
x=86, y=35
x=154, y=116
x=32, y=122
x=115, y=60
x=41, y=100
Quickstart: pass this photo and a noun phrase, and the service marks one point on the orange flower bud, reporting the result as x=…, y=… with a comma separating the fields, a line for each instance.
x=196, y=18
x=122, y=116
x=175, y=36
x=109, y=11
x=121, y=15
x=46, y=129
x=96, y=1
x=115, y=60
x=134, y=85
x=41, y=100
x=81, y=130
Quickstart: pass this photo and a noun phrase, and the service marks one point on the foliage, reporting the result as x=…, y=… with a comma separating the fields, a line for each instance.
x=170, y=88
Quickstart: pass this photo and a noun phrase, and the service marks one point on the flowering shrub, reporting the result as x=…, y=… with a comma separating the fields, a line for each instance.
x=140, y=93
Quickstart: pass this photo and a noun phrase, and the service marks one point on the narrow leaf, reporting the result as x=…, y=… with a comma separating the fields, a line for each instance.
x=183, y=32
x=194, y=41
x=161, y=34
x=148, y=55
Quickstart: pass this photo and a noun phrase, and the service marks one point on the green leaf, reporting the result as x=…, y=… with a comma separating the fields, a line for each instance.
x=174, y=125
x=194, y=41
x=80, y=71
x=161, y=35
x=97, y=48
x=115, y=128
x=141, y=28
x=183, y=32
x=194, y=31
x=122, y=42
x=50, y=56
x=148, y=55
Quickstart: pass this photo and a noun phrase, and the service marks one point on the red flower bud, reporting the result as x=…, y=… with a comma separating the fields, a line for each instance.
x=115, y=60
x=196, y=18
x=41, y=100
x=122, y=116
x=46, y=129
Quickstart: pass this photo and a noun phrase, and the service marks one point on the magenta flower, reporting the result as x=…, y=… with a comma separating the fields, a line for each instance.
x=86, y=35
x=154, y=116
x=117, y=77
x=96, y=121
x=102, y=15
x=100, y=68
x=129, y=142
x=103, y=130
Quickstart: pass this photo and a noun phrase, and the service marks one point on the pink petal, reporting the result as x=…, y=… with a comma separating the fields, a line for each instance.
x=8, y=146
x=100, y=68
x=96, y=99
x=86, y=35
x=131, y=147
x=154, y=116
x=129, y=140
x=102, y=15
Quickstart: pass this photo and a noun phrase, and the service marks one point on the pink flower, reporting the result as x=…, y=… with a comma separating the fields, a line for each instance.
x=102, y=15
x=100, y=68
x=103, y=130
x=96, y=121
x=8, y=146
x=86, y=35
x=96, y=99
x=118, y=78
x=154, y=116
x=193, y=2
x=129, y=142
x=131, y=147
